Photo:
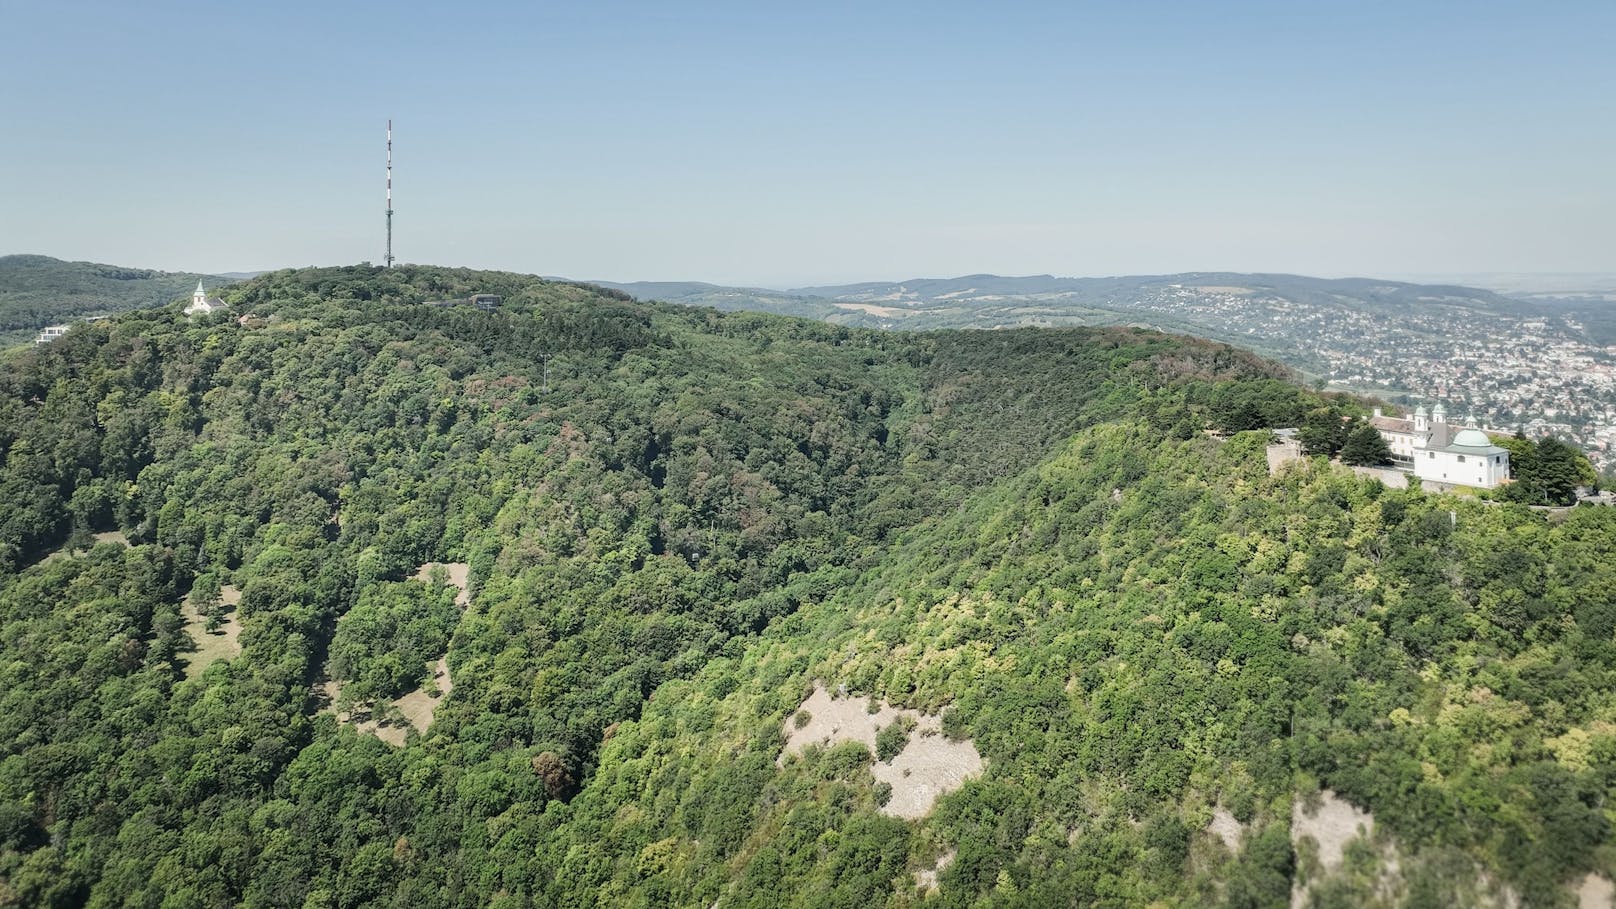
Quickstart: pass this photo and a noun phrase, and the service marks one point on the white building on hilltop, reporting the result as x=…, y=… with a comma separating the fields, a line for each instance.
x=201, y=303
x=1436, y=450
x=50, y=333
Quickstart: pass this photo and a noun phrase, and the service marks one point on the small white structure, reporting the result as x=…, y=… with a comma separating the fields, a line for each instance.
x=202, y=304
x=50, y=333
x=1436, y=450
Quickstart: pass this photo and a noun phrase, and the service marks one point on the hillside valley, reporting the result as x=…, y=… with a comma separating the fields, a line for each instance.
x=36, y=291
x=1543, y=362
x=337, y=599
x=1538, y=361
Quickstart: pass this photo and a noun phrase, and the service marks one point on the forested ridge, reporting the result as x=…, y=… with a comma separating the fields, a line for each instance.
x=36, y=291
x=679, y=520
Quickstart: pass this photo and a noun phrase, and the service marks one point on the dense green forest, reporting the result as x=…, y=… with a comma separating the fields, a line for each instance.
x=677, y=522
x=36, y=291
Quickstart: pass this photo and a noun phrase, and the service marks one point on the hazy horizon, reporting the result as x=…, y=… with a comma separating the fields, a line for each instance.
x=781, y=148
x=1502, y=282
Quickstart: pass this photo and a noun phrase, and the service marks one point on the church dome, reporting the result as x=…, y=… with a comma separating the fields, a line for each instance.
x=1472, y=438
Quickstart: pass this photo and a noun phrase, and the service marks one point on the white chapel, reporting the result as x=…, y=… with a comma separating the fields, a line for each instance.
x=1436, y=450
x=201, y=303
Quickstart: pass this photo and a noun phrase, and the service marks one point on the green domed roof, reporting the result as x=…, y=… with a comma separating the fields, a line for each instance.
x=1472, y=438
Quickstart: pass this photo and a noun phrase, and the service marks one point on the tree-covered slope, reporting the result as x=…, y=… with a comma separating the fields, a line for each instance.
x=1136, y=634
x=679, y=521
x=36, y=291
x=644, y=493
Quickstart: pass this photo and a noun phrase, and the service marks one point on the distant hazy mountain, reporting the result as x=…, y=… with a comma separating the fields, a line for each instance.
x=1221, y=305
x=700, y=293
x=36, y=291
x=992, y=289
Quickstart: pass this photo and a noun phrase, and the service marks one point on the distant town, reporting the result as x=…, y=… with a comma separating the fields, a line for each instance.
x=1504, y=372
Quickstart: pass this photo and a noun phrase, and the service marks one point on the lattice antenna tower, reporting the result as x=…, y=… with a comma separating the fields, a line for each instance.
x=387, y=258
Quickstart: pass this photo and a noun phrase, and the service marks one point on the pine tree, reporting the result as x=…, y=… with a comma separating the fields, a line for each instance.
x=1365, y=445
x=1557, y=471
x=1323, y=432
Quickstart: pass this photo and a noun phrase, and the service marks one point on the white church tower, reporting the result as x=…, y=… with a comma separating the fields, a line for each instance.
x=201, y=303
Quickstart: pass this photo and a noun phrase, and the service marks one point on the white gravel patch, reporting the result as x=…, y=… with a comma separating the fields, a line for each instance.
x=1333, y=826
x=459, y=574
x=930, y=765
x=1596, y=892
x=926, y=878
x=1224, y=826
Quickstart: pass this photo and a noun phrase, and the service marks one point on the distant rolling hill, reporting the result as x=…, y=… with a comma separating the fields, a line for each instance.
x=36, y=291
x=753, y=299
x=1221, y=305
x=1115, y=290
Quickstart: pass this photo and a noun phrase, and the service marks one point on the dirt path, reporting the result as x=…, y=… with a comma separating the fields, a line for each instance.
x=417, y=706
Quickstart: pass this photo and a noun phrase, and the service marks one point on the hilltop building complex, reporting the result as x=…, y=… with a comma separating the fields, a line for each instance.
x=1436, y=450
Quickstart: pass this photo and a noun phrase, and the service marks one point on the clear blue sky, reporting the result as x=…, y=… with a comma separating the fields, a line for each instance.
x=777, y=144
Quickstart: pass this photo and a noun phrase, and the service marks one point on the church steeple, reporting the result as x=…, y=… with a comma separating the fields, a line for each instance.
x=200, y=296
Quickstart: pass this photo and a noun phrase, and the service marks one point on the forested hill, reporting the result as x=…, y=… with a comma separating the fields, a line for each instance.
x=36, y=291
x=677, y=521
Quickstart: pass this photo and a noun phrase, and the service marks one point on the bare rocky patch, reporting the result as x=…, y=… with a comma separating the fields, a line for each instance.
x=926, y=878
x=1333, y=825
x=223, y=643
x=1596, y=892
x=417, y=707
x=928, y=765
x=1330, y=827
x=459, y=574
x=1225, y=827
x=1323, y=833
x=116, y=537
